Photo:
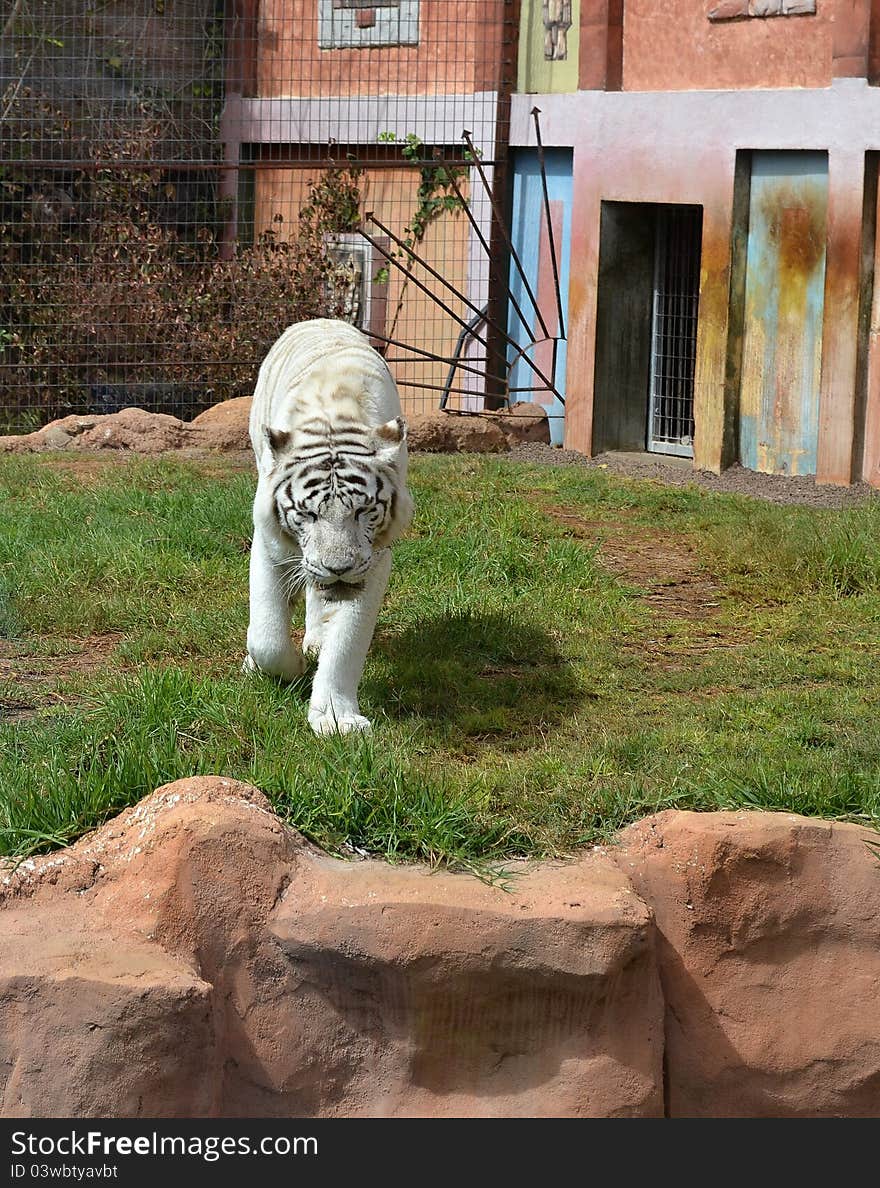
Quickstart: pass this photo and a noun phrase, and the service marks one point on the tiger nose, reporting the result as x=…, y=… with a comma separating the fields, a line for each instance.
x=337, y=570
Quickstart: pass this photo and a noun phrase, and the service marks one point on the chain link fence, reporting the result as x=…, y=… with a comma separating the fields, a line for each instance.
x=181, y=179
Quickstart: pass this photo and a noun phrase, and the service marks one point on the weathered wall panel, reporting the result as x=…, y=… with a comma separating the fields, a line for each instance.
x=785, y=286
x=840, y=333
x=871, y=459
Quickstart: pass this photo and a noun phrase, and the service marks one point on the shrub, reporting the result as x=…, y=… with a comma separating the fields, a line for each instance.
x=99, y=287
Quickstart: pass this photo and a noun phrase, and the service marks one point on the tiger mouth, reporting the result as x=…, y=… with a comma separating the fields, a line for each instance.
x=340, y=591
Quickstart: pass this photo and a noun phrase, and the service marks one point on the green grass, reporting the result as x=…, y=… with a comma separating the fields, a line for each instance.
x=527, y=698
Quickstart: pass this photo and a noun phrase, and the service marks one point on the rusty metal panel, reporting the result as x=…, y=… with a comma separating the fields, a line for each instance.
x=784, y=302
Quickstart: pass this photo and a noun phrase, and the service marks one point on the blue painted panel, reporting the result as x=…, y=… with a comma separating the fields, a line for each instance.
x=528, y=217
x=785, y=283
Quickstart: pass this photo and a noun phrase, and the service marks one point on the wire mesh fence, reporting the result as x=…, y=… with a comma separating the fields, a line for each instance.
x=181, y=179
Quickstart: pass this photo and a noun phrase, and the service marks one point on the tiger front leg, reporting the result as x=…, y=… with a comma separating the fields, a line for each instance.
x=269, y=646
x=319, y=616
x=347, y=635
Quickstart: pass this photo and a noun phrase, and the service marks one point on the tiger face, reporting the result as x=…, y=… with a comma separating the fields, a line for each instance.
x=337, y=498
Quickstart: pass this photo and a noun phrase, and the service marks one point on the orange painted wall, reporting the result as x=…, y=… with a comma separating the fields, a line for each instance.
x=391, y=195
x=459, y=52
x=673, y=46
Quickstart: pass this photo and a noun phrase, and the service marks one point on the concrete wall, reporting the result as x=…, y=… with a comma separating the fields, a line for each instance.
x=640, y=45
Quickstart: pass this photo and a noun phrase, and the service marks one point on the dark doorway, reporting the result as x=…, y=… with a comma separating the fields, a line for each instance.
x=646, y=327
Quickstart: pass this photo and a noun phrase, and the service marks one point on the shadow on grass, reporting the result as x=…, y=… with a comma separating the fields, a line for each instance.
x=486, y=673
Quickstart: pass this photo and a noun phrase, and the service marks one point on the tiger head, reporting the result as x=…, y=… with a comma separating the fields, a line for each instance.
x=340, y=495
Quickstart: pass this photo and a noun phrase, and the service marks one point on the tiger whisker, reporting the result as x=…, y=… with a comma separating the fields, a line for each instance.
x=293, y=576
x=294, y=585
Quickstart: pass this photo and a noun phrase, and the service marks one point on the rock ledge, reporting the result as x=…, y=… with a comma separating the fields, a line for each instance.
x=195, y=957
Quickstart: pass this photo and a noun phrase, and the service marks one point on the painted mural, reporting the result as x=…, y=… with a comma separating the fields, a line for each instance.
x=556, y=15
x=549, y=49
x=737, y=10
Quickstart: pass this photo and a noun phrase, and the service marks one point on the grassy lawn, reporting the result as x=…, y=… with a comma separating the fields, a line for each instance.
x=561, y=651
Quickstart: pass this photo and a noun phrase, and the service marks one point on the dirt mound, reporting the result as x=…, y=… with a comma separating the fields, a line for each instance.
x=131, y=429
x=225, y=427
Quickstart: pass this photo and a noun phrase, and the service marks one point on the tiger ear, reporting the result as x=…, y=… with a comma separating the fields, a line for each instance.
x=278, y=440
x=390, y=437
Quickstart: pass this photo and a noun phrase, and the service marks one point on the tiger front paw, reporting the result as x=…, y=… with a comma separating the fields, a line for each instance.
x=287, y=667
x=327, y=721
x=312, y=645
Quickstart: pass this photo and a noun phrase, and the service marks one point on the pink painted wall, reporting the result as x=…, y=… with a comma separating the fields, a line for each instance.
x=673, y=46
x=681, y=147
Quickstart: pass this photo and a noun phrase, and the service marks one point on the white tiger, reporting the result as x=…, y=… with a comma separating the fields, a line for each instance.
x=331, y=498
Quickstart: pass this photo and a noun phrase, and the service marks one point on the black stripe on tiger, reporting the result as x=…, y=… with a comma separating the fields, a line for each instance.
x=334, y=434
x=336, y=447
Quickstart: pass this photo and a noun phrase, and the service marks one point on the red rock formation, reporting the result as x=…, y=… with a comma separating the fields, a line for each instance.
x=768, y=927
x=195, y=957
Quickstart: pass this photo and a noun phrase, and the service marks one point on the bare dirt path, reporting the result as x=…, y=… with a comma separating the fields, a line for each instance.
x=666, y=570
x=664, y=565
x=29, y=681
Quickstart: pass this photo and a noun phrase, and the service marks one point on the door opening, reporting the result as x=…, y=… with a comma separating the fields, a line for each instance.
x=646, y=327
